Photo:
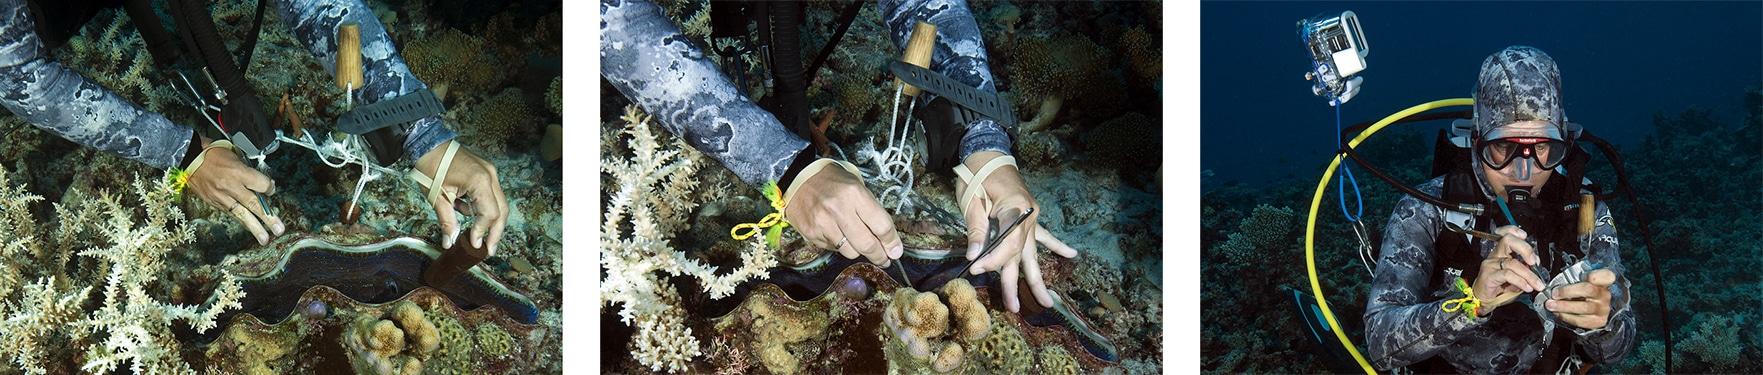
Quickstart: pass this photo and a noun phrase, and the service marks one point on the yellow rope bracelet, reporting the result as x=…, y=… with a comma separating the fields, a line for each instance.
x=1468, y=300
x=774, y=221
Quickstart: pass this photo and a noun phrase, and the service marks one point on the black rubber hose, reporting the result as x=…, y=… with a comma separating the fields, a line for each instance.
x=1410, y=190
x=1646, y=234
x=786, y=68
x=251, y=42
x=848, y=16
x=244, y=113
x=159, y=42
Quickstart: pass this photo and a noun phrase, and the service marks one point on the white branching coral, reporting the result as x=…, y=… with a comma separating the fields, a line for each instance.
x=135, y=328
x=649, y=197
x=138, y=327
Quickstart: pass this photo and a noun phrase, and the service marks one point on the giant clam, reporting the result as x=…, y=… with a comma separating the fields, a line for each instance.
x=832, y=332
x=312, y=306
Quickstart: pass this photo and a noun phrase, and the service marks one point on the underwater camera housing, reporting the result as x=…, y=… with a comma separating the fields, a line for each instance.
x=1337, y=53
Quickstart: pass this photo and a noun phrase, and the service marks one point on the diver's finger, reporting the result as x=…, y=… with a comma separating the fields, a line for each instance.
x=449, y=219
x=857, y=236
x=244, y=215
x=1512, y=230
x=1602, y=277
x=1008, y=280
x=876, y=222
x=1583, y=290
x=1585, y=307
x=977, y=227
x=1045, y=238
x=1012, y=244
x=1592, y=321
x=1521, y=275
x=1031, y=269
x=258, y=182
x=501, y=201
x=1512, y=244
x=489, y=210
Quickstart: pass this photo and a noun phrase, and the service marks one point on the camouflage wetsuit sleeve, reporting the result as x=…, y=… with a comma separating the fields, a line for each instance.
x=61, y=101
x=1405, y=323
x=960, y=53
x=1611, y=343
x=384, y=74
x=649, y=60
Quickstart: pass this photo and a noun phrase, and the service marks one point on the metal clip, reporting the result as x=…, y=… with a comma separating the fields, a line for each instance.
x=219, y=93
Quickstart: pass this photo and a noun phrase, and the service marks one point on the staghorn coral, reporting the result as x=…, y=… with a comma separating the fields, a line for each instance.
x=115, y=56
x=131, y=325
x=648, y=203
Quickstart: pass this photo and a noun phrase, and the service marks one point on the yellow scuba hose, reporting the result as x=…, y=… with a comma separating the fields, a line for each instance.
x=1316, y=201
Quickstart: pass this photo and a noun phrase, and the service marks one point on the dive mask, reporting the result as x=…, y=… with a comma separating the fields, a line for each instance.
x=1547, y=152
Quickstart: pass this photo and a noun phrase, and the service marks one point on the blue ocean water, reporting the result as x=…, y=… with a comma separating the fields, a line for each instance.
x=1621, y=63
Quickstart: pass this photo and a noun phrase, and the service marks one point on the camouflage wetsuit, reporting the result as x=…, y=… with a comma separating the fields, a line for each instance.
x=1405, y=323
x=61, y=101
x=648, y=59
x=1404, y=319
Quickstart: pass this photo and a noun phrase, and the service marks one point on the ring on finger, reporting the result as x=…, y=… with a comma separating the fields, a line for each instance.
x=841, y=244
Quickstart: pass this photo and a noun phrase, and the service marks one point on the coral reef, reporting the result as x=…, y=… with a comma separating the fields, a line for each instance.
x=1055, y=360
x=47, y=280
x=1143, y=55
x=1131, y=141
x=778, y=328
x=921, y=320
x=647, y=206
x=464, y=63
x=500, y=119
x=421, y=332
x=130, y=327
x=1110, y=216
x=1267, y=230
x=1695, y=226
x=377, y=343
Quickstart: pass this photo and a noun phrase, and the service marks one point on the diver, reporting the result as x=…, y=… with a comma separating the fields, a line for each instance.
x=1481, y=324
x=61, y=101
x=648, y=59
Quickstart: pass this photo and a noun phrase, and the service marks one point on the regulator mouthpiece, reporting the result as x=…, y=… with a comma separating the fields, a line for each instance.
x=1519, y=195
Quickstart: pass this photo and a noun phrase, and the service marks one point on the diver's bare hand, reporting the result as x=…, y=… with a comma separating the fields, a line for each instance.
x=467, y=177
x=1585, y=304
x=1015, y=257
x=1506, y=270
x=833, y=210
x=227, y=184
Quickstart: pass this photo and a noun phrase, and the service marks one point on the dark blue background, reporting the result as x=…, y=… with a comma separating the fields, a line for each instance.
x=1620, y=64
